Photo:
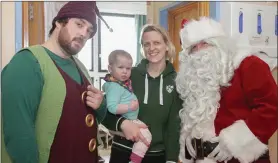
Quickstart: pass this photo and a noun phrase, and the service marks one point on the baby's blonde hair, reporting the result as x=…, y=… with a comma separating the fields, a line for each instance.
x=171, y=53
x=116, y=53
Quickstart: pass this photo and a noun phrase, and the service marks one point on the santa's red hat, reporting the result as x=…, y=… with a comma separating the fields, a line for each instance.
x=195, y=31
x=183, y=22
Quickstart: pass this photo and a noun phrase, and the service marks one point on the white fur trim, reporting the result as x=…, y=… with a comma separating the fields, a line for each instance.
x=182, y=146
x=240, y=56
x=242, y=143
x=195, y=31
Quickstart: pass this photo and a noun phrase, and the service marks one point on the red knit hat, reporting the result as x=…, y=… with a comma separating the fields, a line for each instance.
x=81, y=9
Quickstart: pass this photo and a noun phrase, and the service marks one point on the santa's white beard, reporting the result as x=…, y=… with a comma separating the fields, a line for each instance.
x=198, y=81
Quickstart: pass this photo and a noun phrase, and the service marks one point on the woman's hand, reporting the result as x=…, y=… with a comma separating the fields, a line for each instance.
x=132, y=131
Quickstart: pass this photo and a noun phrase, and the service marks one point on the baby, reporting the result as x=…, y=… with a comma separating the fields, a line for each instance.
x=121, y=99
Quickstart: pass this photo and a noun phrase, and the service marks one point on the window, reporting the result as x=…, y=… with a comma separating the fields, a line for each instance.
x=123, y=37
x=86, y=55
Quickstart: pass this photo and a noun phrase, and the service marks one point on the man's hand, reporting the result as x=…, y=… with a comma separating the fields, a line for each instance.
x=94, y=97
x=132, y=131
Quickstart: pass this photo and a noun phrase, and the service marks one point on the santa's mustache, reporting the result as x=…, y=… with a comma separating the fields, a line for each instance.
x=201, y=67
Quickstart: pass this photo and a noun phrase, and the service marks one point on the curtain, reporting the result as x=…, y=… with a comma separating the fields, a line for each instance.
x=140, y=21
x=50, y=11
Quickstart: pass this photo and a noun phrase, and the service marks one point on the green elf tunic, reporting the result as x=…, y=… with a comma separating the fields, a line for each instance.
x=45, y=118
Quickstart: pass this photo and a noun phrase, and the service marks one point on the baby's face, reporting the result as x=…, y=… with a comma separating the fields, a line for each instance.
x=121, y=69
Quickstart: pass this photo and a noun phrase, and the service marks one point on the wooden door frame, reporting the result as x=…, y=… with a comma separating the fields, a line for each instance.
x=25, y=24
x=35, y=26
x=172, y=13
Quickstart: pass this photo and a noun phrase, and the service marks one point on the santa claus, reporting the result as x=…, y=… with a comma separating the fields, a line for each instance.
x=229, y=98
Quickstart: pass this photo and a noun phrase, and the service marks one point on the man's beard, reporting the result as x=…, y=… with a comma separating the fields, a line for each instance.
x=198, y=82
x=65, y=42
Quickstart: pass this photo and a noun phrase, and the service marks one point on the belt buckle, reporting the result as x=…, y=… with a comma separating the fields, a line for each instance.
x=198, y=146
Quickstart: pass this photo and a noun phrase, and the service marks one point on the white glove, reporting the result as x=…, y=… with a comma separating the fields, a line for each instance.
x=191, y=151
x=220, y=153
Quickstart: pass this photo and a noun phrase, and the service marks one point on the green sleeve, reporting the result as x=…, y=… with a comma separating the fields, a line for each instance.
x=173, y=130
x=101, y=111
x=113, y=93
x=22, y=84
x=113, y=121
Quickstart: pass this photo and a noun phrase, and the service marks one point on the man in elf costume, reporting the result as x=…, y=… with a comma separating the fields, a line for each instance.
x=47, y=116
x=230, y=98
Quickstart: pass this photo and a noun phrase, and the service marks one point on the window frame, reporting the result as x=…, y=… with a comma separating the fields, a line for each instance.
x=99, y=34
x=90, y=69
x=100, y=84
x=92, y=56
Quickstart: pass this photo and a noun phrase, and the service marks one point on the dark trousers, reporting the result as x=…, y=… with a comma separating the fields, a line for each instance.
x=121, y=155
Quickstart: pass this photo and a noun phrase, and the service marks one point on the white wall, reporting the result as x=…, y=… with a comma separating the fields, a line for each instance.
x=8, y=32
x=265, y=3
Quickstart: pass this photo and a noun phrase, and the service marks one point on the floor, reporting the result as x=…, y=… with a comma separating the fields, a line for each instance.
x=105, y=153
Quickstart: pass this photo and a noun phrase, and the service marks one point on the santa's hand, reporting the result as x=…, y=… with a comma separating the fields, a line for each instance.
x=219, y=153
x=189, y=146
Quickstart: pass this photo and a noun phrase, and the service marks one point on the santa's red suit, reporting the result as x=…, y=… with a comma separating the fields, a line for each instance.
x=245, y=114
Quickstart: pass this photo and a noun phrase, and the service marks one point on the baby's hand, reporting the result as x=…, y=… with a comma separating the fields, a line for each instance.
x=134, y=105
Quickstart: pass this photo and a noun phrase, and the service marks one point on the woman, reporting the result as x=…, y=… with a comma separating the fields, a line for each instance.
x=153, y=84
